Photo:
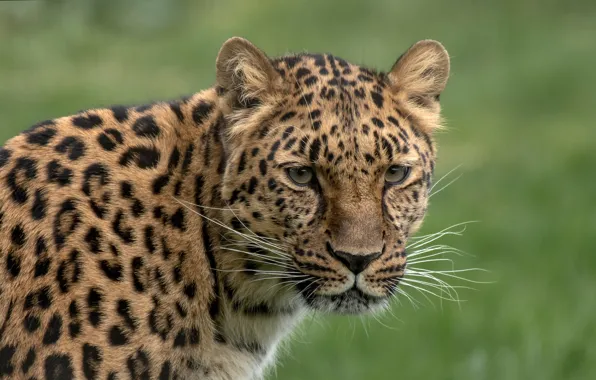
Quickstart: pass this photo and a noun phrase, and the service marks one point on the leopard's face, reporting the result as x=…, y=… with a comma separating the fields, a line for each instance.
x=327, y=181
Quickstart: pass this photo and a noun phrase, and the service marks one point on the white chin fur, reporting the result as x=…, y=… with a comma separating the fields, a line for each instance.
x=347, y=303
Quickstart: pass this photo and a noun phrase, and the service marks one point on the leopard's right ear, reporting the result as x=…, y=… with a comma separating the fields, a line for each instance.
x=246, y=74
x=419, y=77
x=422, y=71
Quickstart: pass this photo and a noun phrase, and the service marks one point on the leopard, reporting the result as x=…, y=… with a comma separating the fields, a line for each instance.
x=187, y=239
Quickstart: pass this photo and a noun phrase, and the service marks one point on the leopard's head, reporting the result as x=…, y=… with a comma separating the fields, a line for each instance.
x=328, y=168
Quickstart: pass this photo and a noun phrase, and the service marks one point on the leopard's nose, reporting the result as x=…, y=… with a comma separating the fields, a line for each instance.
x=355, y=262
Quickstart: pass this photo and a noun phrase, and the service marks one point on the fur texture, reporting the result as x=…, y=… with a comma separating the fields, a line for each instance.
x=172, y=241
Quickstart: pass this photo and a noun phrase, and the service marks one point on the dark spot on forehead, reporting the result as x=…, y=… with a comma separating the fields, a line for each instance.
x=290, y=143
x=263, y=167
x=315, y=148
x=377, y=122
x=252, y=185
x=287, y=133
x=274, y=149
x=377, y=99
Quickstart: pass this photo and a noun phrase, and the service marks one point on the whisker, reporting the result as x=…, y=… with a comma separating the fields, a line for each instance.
x=447, y=290
x=250, y=245
x=256, y=272
x=449, y=274
x=423, y=290
x=423, y=294
x=390, y=311
x=432, y=237
x=219, y=223
x=415, y=303
x=315, y=282
x=263, y=257
x=383, y=324
x=432, y=258
x=271, y=277
x=444, y=176
x=227, y=208
x=438, y=281
x=364, y=327
x=432, y=194
x=418, y=239
x=433, y=248
x=263, y=262
x=284, y=285
x=413, y=262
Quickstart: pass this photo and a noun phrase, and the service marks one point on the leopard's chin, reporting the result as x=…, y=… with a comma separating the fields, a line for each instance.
x=350, y=302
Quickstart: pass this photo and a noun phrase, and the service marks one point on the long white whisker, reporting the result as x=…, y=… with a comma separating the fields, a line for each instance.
x=281, y=266
x=257, y=272
x=430, y=292
x=419, y=239
x=390, y=310
x=250, y=238
x=433, y=248
x=415, y=303
x=443, y=230
x=256, y=238
x=421, y=292
x=413, y=262
x=443, y=289
x=432, y=194
x=227, y=208
x=447, y=274
x=443, y=177
x=265, y=258
x=431, y=257
x=285, y=284
x=438, y=280
x=251, y=244
x=248, y=245
x=265, y=278
x=454, y=270
x=432, y=237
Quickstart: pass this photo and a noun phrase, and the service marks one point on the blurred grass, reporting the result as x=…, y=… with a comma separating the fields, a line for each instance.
x=520, y=107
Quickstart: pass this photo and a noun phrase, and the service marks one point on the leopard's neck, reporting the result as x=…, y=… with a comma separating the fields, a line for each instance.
x=251, y=313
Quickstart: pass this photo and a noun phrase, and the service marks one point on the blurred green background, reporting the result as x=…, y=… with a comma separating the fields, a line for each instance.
x=520, y=106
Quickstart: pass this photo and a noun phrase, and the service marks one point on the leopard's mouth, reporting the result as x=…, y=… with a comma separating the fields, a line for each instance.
x=351, y=301
x=339, y=287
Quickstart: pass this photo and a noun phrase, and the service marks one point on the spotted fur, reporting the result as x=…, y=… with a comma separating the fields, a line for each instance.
x=167, y=241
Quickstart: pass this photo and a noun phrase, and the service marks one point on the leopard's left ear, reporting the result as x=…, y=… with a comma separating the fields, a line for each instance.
x=421, y=72
x=246, y=73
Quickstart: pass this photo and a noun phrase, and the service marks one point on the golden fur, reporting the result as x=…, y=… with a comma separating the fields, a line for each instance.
x=169, y=241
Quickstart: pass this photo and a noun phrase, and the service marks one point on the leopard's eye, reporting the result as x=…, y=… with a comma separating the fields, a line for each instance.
x=301, y=175
x=397, y=174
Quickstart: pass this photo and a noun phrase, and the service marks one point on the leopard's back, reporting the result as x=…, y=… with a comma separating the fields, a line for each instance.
x=104, y=272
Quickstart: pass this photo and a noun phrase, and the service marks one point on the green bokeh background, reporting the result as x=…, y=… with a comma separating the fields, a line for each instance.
x=520, y=106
